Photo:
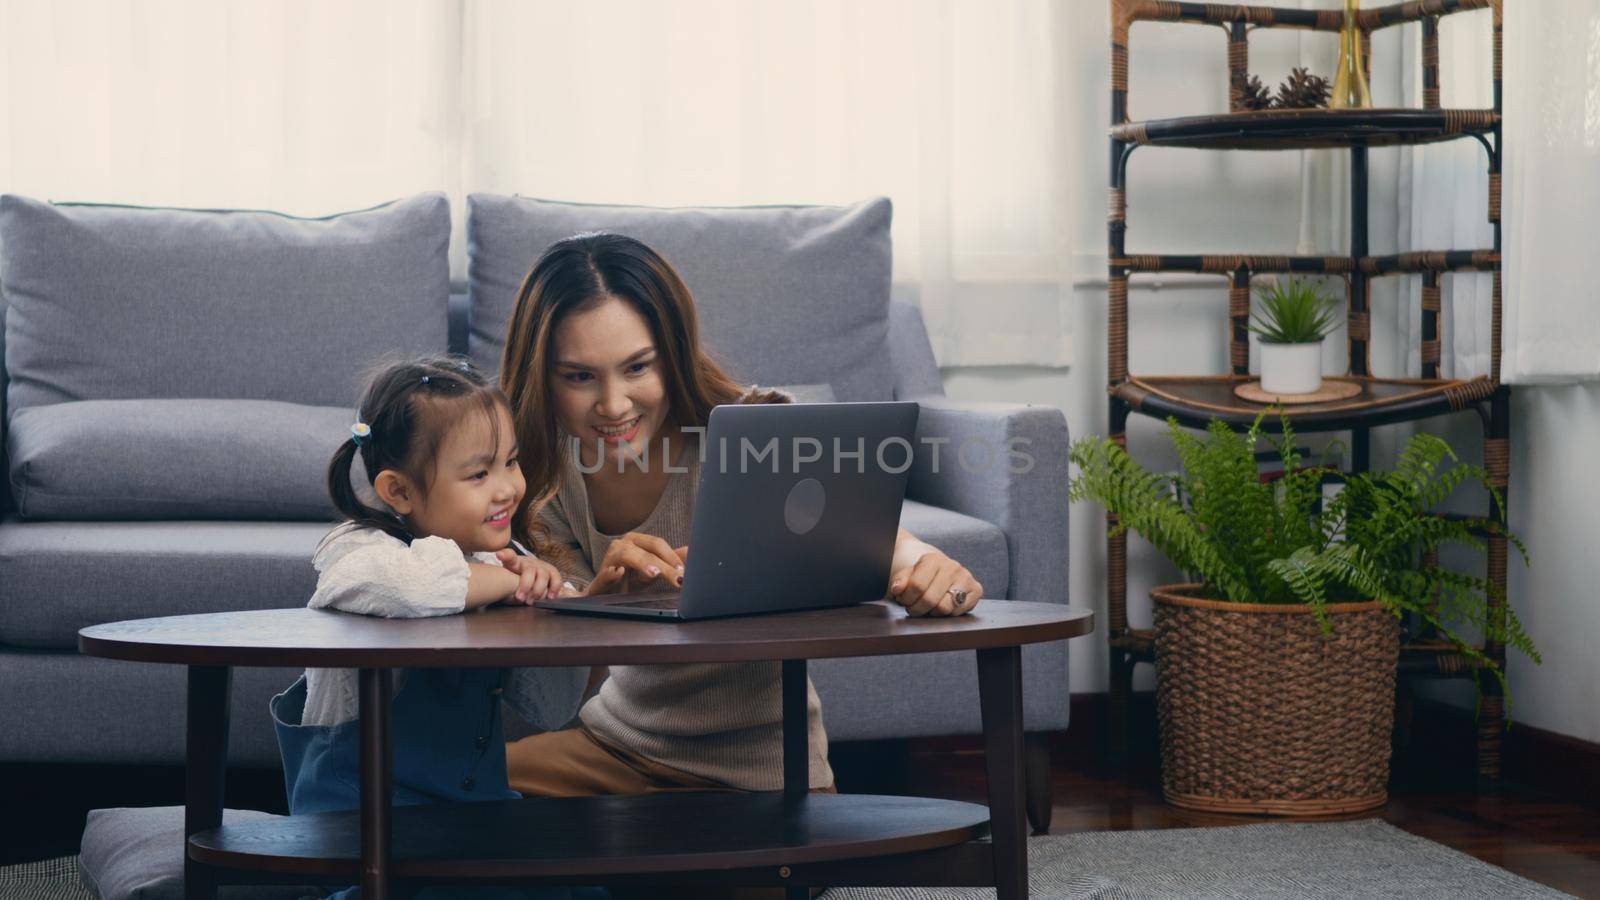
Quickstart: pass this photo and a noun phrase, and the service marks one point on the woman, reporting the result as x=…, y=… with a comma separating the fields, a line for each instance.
x=604, y=347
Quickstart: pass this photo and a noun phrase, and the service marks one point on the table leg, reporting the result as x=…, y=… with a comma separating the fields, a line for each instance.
x=1041, y=794
x=205, y=773
x=796, y=747
x=1000, y=692
x=377, y=784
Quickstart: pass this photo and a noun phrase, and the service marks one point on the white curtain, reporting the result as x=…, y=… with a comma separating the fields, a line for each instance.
x=1552, y=191
x=955, y=109
x=1444, y=197
x=304, y=107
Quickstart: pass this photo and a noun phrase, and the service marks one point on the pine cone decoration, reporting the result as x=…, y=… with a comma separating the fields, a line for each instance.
x=1303, y=91
x=1251, y=93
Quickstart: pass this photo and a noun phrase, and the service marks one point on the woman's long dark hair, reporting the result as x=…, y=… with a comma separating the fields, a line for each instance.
x=579, y=273
x=408, y=406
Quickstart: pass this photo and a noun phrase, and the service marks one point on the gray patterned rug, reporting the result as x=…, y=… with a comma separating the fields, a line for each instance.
x=1279, y=861
x=51, y=879
x=1300, y=861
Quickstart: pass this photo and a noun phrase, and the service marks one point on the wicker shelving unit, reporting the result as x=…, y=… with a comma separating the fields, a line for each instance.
x=1195, y=401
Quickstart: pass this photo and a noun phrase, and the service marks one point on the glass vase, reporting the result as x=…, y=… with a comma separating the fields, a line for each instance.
x=1350, y=82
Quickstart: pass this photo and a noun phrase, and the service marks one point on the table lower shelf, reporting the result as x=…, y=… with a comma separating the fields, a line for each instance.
x=600, y=835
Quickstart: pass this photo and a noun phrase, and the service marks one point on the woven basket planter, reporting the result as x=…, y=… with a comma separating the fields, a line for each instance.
x=1262, y=713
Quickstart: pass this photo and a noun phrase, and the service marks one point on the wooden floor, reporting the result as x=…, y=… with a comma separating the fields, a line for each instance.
x=1547, y=838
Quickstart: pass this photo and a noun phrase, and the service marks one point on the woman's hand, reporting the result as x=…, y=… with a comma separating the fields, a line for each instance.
x=536, y=579
x=932, y=583
x=637, y=561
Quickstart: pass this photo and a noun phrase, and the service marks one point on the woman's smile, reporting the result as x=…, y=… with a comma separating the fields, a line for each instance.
x=620, y=433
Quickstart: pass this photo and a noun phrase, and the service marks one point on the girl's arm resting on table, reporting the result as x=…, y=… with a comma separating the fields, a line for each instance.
x=380, y=576
x=489, y=583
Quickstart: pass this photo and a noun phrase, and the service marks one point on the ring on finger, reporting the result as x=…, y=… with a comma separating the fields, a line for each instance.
x=958, y=596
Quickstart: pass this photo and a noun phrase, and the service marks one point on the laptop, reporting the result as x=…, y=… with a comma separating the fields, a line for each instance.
x=798, y=508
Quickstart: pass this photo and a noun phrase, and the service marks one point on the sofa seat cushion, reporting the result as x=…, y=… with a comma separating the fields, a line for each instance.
x=117, y=302
x=976, y=544
x=114, y=712
x=785, y=294
x=932, y=694
x=175, y=459
x=137, y=854
x=63, y=576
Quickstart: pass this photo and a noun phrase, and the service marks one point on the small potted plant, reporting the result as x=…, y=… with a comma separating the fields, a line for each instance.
x=1293, y=318
x=1275, y=669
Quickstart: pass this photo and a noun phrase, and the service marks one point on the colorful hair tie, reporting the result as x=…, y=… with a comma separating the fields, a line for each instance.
x=360, y=432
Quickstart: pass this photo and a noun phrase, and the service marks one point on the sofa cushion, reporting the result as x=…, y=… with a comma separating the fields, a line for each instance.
x=786, y=295
x=976, y=544
x=63, y=576
x=6, y=500
x=114, y=302
x=175, y=459
x=137, y=854
x=900, y=703
x=810, y=393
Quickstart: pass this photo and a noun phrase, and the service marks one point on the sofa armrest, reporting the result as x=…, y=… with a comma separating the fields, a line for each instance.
x=1006, y=464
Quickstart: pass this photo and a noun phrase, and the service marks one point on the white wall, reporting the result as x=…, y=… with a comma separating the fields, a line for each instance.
x=1192, y=201
x=1555, y=508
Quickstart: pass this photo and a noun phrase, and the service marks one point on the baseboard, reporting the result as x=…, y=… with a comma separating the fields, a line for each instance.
x=1555, y=762
x=1560, y=764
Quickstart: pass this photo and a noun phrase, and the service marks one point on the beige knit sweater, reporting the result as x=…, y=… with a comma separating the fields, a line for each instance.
x=721, y=721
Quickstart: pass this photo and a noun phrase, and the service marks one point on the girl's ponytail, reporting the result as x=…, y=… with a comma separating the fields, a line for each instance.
x=342, y=490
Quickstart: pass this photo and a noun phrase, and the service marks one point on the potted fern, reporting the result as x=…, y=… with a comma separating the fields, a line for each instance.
x=1293, y=318
x=1275, y=669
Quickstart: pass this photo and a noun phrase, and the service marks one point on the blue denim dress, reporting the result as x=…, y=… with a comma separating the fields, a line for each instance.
x=448, y=746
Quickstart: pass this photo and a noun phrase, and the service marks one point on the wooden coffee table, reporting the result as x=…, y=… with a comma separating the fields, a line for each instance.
x=791, y=838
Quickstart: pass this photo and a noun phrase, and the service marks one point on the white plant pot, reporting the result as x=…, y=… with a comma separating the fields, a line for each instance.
x=1291, y=368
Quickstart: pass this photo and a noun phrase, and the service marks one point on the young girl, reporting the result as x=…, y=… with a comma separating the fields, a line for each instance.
x=439, y=451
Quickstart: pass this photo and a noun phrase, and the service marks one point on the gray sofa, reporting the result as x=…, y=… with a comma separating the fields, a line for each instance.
x=176, y=380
